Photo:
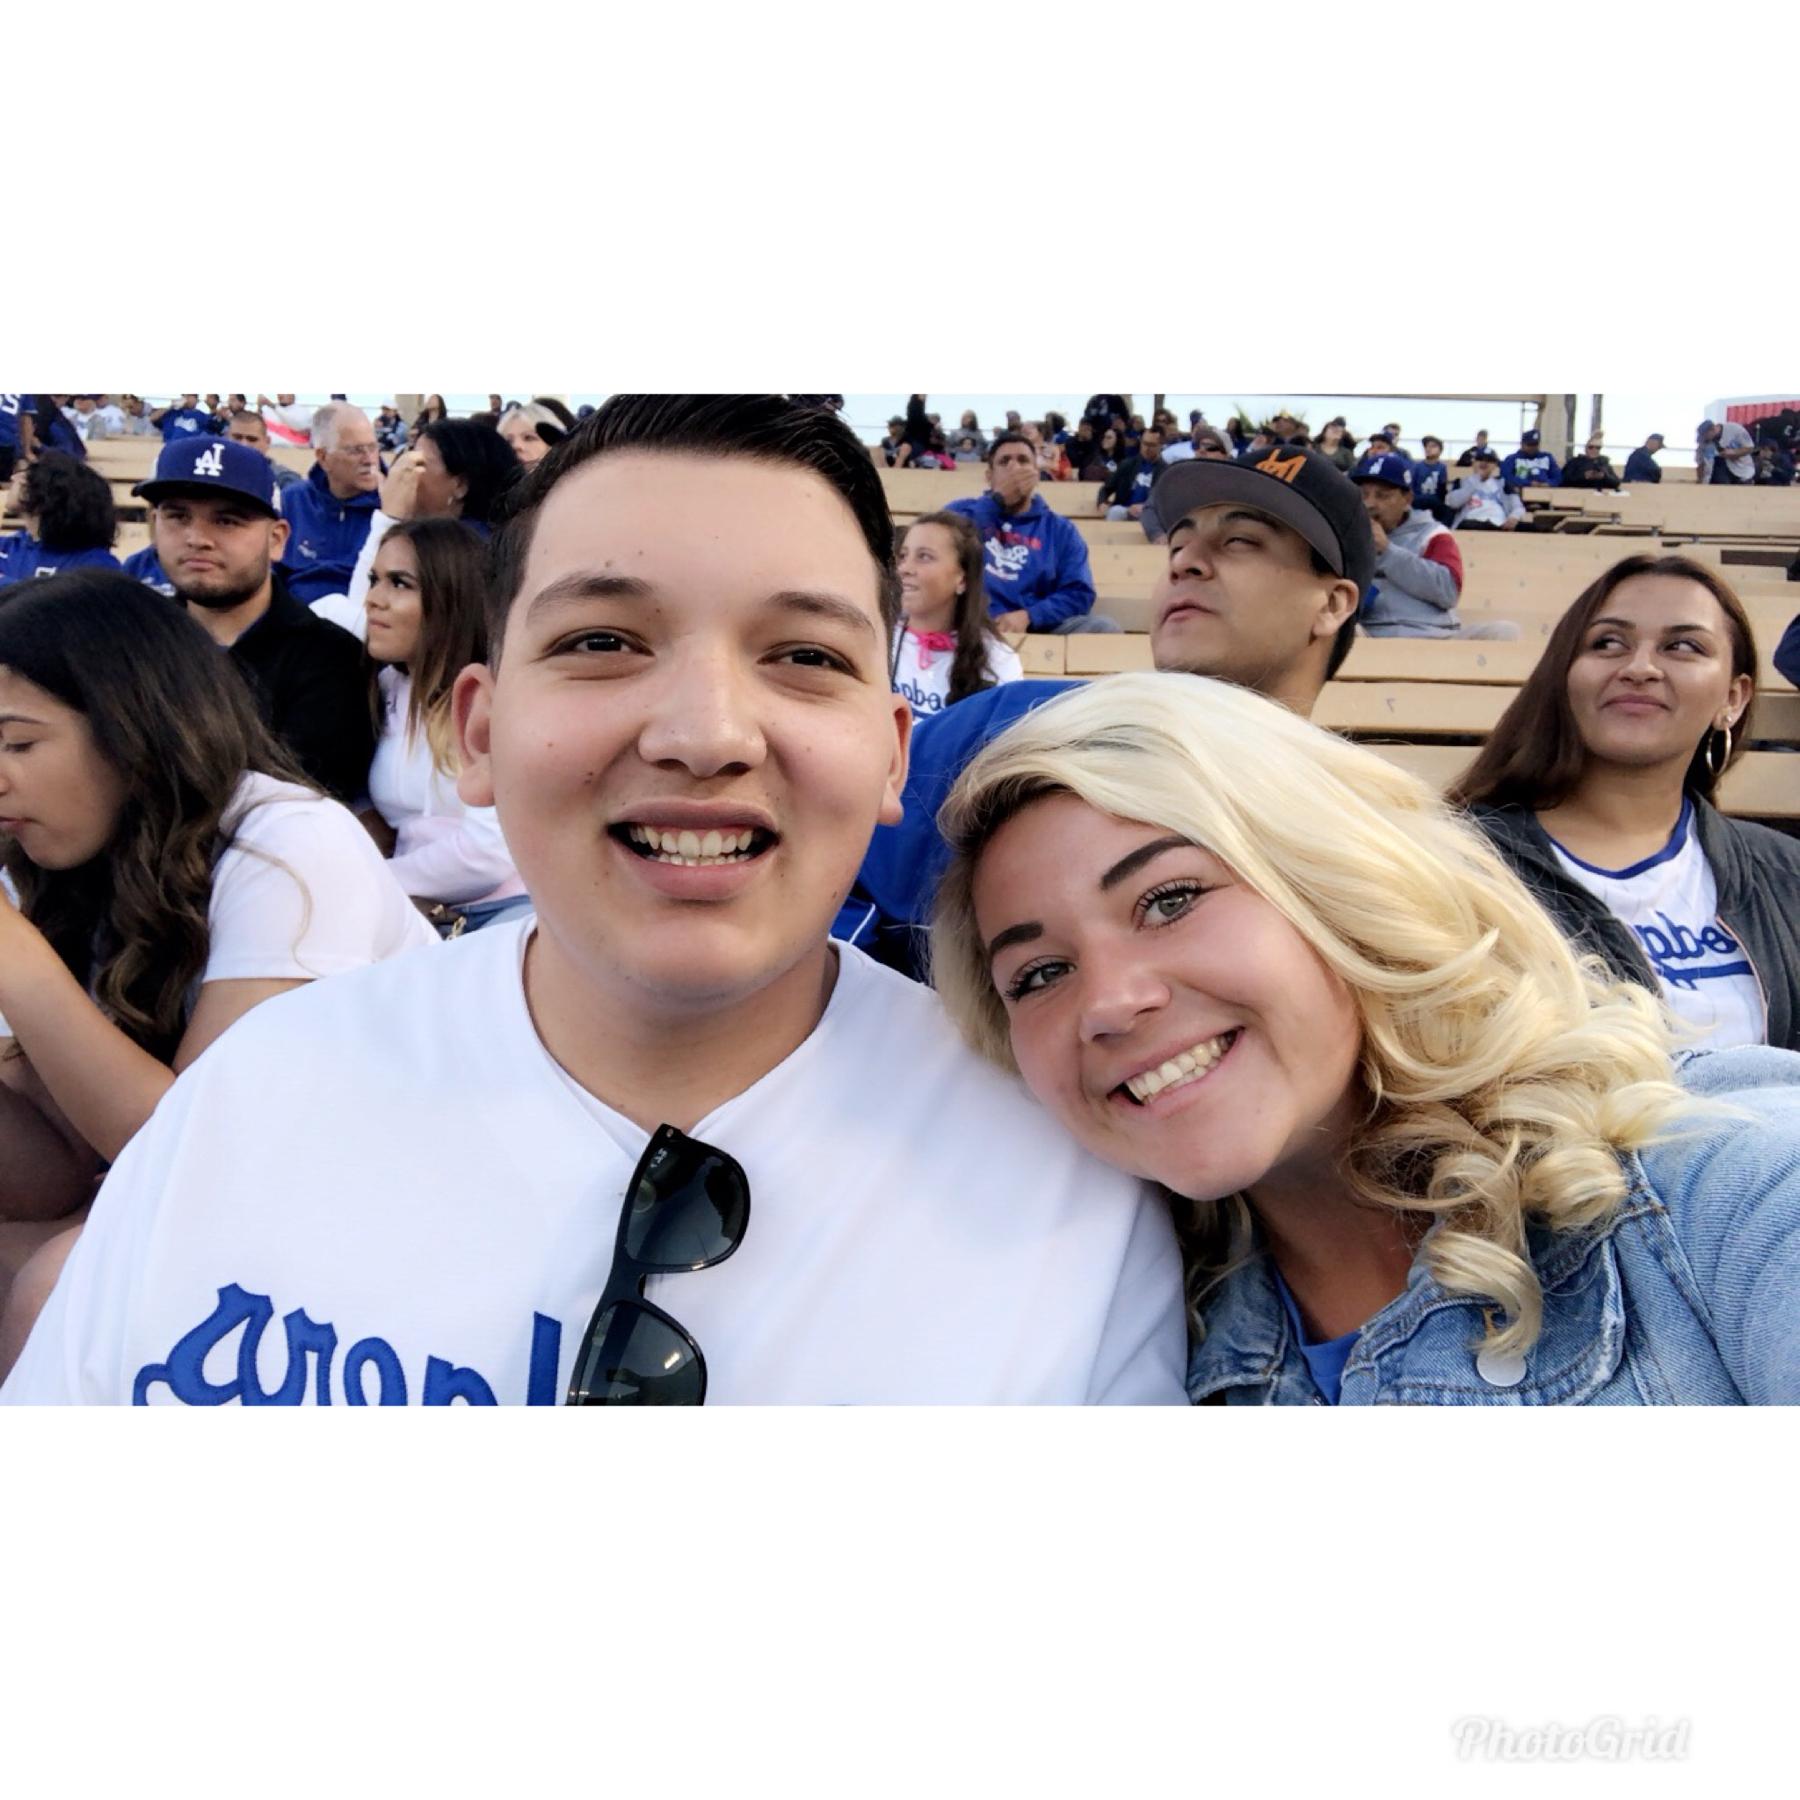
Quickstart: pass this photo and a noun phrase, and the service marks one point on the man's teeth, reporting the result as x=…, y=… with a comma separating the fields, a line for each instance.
x=694, y=849
x=1178, y=1071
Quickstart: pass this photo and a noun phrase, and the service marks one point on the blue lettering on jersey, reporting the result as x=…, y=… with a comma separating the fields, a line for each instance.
x=1674, y=951
x=371, y=1368
x=920, y=701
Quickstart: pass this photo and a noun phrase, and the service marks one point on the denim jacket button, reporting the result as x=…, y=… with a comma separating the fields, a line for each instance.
x=1499, y=1368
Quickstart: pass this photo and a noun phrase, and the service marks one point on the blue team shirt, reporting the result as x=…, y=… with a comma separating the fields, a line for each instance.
x=11, y=407
x=1324, y=1361
x=1431, y=482
x=23, y=558
x=187, y=421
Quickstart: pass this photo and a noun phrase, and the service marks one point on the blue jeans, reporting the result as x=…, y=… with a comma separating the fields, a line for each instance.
x=479, y=914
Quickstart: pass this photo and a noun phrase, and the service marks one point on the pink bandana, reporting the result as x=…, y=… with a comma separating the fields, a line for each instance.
x=932, y=641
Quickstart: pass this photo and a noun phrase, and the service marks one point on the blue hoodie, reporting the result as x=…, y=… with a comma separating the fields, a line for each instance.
x=22, y=558
x=891, y=902
x=326, y=536
x=1037, y=562
x=187, y=421
x=146, y=566
x=1530, y=468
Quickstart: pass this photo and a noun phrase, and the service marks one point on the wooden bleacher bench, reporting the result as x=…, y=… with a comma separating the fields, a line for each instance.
x=1405, y=695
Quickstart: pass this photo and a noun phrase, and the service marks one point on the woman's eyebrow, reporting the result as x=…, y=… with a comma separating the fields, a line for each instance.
x=1129, y=865
x=1014, y=934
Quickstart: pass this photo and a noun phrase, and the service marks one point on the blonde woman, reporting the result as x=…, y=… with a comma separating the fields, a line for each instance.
x=1422, y=1154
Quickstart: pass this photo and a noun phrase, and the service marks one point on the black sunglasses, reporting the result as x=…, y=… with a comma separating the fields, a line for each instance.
x=686, y=1208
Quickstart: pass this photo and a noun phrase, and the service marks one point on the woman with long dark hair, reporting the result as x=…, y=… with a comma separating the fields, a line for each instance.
x=460, y=469
x=1597, y=786
x=172, y=869
x=430, y=413
x=69, y=520
x=948, y=648
x=425, y=625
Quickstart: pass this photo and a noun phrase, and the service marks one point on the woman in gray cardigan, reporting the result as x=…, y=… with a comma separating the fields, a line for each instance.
x=1597, y=786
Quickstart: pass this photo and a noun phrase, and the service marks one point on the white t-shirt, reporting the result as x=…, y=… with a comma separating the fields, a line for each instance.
x=443, y=850
x=1671, y=902
x=301, y=892
x=384, y=1186
x=928, y=689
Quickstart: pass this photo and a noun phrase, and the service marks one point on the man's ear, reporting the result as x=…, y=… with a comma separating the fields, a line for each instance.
x=472, y=714
x=891, y=809
x=1340, y=603
x=279, y=532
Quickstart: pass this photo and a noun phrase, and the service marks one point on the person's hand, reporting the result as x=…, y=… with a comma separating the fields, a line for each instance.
x=400, y=486
x=1013, y=623
x=1136, y=512
x=1510, y=525
x=1380, y=536
x=22, y=946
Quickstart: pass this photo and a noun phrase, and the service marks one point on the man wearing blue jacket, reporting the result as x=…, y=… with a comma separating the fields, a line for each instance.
x=1530, y=465
x=329, y=513
x=1037, y=571
x=1276, y=615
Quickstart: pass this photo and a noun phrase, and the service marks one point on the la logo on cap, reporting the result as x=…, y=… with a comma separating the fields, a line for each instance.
x=1283, y=468
x=210, y=462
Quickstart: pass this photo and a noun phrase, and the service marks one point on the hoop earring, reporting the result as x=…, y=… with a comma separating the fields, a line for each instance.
x=1715, y=768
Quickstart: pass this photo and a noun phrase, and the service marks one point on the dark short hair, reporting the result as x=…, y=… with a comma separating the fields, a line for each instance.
x=1004, y=438
x=477, y=454
x=72, y=505
x=769, y=428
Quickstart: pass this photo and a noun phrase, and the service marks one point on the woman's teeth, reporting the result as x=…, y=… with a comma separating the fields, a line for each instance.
x=692, y=849
x=1180, y=1070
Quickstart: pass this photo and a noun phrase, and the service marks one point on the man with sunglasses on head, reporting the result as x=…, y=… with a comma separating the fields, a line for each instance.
x=664, y=1142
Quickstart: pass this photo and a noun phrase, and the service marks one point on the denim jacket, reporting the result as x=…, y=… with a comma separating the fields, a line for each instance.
x=1688, y=1295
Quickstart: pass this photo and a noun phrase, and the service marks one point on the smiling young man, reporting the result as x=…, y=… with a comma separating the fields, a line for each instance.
x=688, y=729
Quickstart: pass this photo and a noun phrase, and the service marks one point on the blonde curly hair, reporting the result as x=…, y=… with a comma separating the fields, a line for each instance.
x=1503, y=1077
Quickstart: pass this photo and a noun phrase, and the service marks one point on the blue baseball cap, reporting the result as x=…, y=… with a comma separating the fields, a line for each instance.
x=209, y=465
x=1396, y=471
x=1530, y=440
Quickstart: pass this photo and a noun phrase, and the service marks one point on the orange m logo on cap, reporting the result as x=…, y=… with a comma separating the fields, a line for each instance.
x=1283, y=468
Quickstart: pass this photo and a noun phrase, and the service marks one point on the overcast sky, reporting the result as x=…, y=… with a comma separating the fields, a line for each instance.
x=1628, y=418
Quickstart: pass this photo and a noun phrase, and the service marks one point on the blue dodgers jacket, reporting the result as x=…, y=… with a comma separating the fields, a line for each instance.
x=1037, y=562
x=891, y=902
x=326, y=536
x=146, y=566
x=1536, y=469
x=22, y=558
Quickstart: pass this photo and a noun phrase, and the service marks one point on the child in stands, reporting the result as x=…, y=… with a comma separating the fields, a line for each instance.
x=425, y=623
x=947, y=648
x=173, y=870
